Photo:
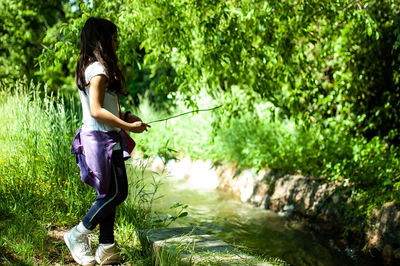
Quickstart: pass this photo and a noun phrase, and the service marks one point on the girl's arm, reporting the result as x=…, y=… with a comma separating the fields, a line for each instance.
x=98, y=86
x=130, y=118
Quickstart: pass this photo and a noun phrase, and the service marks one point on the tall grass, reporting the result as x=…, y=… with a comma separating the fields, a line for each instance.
x=39, y=183
x=40, y=187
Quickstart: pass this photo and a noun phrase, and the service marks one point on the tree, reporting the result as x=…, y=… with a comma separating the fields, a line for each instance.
x=23, y=26
x=313, y=60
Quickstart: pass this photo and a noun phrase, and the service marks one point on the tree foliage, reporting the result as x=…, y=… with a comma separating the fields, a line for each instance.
x=311, y=59
x=23, y=25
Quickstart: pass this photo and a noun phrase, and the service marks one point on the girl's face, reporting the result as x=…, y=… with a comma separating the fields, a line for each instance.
x=115, y=41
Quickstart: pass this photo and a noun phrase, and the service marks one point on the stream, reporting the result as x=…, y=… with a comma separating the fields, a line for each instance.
x=255, y=230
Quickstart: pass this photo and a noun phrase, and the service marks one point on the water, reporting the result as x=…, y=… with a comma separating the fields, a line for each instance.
x=256, y=230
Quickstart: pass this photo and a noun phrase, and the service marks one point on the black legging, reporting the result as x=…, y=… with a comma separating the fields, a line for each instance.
x=103, y=210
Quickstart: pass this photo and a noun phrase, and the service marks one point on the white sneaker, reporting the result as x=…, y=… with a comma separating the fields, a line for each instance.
x=106, y=254
x=79, y=245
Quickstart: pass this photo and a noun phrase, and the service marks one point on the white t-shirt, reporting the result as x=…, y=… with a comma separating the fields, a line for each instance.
x=110, y=102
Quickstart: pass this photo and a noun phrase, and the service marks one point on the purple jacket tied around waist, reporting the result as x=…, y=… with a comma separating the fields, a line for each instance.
x=93, y=152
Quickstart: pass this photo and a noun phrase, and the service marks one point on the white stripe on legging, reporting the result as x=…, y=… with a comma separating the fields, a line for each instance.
x=116, y=193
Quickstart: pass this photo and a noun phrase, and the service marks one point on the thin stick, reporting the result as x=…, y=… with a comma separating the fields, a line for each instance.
x=193, y=111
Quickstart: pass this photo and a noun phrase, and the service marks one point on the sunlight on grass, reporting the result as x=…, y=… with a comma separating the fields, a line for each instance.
x=41, y=188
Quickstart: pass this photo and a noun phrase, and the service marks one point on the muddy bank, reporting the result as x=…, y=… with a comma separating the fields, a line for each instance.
x=321, y=204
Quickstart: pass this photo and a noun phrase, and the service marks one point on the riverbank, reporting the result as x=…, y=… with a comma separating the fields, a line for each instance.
x=321, y=204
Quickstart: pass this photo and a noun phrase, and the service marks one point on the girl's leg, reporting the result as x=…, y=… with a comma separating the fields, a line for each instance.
x=107, y=229
x=103, y=210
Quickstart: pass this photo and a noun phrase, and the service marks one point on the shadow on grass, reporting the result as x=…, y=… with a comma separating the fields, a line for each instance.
x=7, y=258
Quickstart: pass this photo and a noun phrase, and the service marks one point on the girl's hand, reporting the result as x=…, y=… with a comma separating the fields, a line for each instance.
x=138, y=127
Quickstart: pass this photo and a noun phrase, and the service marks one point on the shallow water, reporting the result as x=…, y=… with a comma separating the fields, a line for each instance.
x=256, y=230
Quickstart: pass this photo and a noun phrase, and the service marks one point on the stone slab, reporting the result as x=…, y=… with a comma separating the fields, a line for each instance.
x=194, y=246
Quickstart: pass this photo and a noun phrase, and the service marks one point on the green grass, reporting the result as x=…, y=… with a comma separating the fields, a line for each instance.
x=40, y=187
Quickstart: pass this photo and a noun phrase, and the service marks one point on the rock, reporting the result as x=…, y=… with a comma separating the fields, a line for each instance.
x=287, y=211
x=385, y=227
x=193, y=246
x=245, y=183
x=226, y=179
x=288, y=208
x=260, y=190
x=267, y=202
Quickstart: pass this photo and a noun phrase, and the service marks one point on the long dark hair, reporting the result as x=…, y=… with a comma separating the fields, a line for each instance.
x=96, y=45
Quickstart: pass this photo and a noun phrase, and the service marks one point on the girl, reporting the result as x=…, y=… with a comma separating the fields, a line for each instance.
x=99, y=145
